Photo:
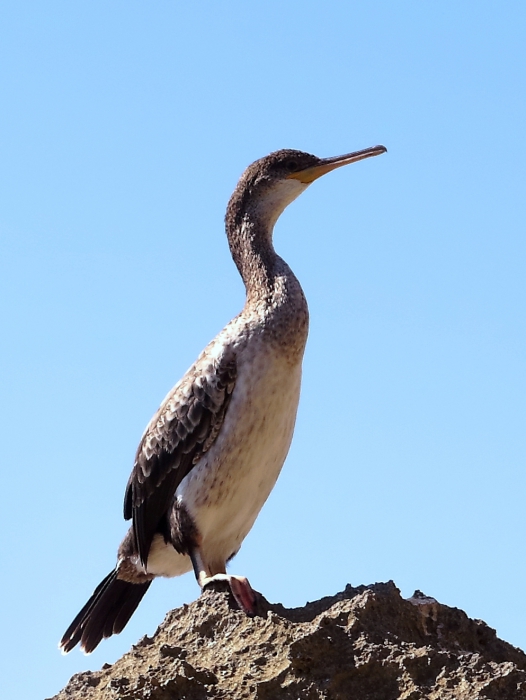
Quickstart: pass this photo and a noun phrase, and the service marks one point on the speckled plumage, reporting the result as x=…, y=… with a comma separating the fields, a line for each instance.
x=213, y=451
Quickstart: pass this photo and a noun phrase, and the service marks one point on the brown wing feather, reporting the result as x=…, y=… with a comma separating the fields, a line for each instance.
x=182, y=430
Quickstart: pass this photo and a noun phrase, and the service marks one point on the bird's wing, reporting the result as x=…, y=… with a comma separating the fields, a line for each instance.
x=183, y=429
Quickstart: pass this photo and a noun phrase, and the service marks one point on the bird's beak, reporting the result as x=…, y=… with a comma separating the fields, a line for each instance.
x=327, y=164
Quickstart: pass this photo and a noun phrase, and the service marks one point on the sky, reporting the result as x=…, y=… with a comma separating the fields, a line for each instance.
x=124, y=127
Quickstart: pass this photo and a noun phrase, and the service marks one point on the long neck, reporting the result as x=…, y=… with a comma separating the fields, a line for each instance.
x=250, y=220
x=251, y=246
x=274, y=295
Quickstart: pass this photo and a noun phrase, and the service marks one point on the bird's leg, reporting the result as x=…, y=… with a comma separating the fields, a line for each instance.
x=241, y=589
x=243, y=593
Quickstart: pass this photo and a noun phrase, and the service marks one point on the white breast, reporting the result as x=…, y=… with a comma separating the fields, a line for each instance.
x=227, y=488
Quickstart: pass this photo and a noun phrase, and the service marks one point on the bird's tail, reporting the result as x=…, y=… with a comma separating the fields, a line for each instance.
x=107, y=612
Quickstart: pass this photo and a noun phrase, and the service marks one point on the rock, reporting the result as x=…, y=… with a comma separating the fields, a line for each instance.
x=365, y=643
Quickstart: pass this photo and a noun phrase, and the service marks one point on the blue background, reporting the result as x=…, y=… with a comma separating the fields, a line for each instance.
x=124, y=126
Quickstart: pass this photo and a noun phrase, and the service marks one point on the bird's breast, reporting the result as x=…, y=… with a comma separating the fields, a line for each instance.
x=228, y=486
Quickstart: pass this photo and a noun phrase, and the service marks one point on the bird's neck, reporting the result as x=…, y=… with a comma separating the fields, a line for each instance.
x=250, y=220
x=274, y=295
x=254, y=255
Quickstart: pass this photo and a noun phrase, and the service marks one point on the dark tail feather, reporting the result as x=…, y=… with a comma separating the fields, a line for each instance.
x=107, y=612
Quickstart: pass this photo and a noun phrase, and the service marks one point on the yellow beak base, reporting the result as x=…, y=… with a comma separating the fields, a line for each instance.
x=327, y=164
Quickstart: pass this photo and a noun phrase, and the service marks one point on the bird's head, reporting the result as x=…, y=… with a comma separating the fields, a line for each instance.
x=271, y=183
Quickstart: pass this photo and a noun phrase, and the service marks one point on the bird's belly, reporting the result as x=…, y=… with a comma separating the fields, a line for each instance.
x=227, y=488
x=164, y=560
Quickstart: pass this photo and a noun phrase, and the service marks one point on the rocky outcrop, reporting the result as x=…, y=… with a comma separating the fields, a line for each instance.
x=365, y=643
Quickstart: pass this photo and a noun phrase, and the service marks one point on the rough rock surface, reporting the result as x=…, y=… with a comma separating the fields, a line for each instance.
x=365, y=643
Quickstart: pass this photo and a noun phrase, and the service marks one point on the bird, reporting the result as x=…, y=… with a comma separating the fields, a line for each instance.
x=212, y=452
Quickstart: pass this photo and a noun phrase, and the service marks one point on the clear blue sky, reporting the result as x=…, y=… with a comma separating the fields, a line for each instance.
x=124, y=126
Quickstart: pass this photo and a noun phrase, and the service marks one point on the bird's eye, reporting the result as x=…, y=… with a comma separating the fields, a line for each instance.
x=291, y=165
